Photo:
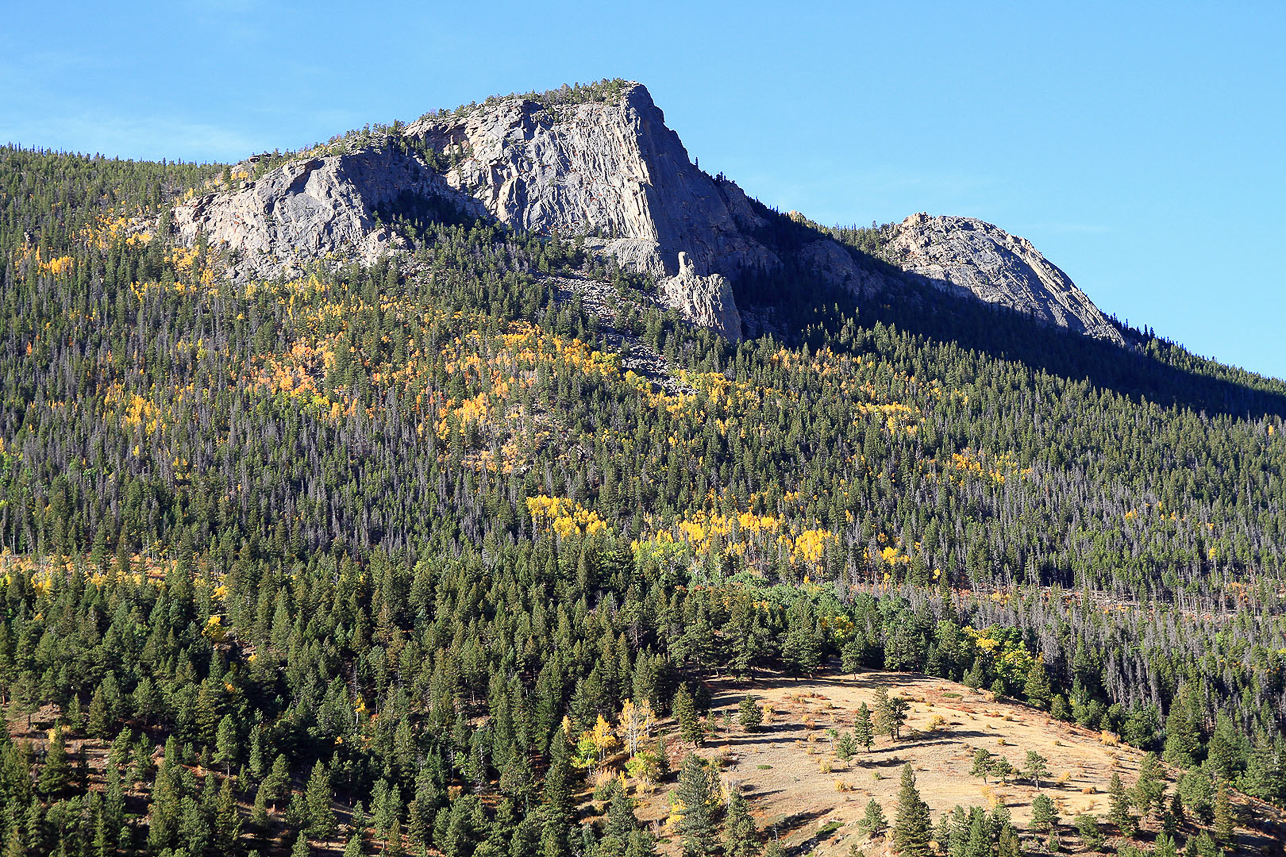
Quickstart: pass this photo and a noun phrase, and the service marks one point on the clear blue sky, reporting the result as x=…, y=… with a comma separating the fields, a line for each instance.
x=1140, y=146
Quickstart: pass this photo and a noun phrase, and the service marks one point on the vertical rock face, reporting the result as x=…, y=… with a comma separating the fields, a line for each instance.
x=611, y=171
x=968, y=256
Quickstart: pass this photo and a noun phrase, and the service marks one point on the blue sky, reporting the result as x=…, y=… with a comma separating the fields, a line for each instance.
x=1139, y=146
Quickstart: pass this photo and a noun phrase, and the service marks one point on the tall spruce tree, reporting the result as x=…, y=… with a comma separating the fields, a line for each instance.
x=911, y=823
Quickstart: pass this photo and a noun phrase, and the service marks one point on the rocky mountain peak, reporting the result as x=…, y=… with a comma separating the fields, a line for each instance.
x=971, y=257
x=601, y=163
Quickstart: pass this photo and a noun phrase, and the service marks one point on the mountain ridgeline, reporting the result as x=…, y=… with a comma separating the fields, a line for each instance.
x=379, y=482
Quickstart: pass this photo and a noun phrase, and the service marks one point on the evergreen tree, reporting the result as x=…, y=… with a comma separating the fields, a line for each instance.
x=1225, y=834
x=890, y=713
x=227, y=744
x=317, y=795
x=740, y=838
x=685, y=712
x=695, y=791
x=911, y=824
x=749, y=714
x=1119, y=807
x=55, y=774
x=983, y=762
x=845, y=746
x=1149, y=789
x=1036, y=767
x=873, y=823
x=863, y=728
x=1044, y=817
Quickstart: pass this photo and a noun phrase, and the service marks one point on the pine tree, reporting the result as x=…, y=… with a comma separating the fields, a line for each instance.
x=911, y=824
x=749, y=715
x=227, y=819
x=55, y=775
x=1036, y=767
x=1149, y=789
x=227, y=745
x=983, y=762
x=1119, y=807
x=845, y=746
x=1044, y=817
x=317, y=795
x=695, y=792
x=686, y=713
x=863, y=729
x=1225, y=834
x=873, y=823
x=740, y=838
x=890, y=713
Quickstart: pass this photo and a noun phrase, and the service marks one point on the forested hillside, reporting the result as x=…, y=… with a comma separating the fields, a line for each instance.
x=406, y=536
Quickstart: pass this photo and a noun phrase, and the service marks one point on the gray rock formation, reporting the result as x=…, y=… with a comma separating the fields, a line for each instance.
x=314, y=208
x=610, y=171
x=704, y=300
x=970, y=257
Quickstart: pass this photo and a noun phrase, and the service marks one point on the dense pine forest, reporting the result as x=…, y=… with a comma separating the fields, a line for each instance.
x=361, y=560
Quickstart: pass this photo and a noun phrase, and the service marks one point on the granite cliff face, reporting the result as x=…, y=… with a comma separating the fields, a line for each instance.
x=314, y=208
x=611, y=171
x=968, y=256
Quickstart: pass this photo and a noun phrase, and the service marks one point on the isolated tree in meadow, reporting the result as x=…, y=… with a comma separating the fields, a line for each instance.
x=1036, y=767
x=982, y=764
x=749, y=714
x=890, y=713
x=845, y=746
x=863, y=729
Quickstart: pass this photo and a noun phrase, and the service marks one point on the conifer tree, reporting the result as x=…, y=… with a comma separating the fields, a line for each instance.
x=1036, y=767
x=1119, y=807
x=890, y=713
x=863, y=728
x=873, y=823
x=55, y=774
x=911, y=823
x=686, y=713
x=1044, y=817
x=740, y=838
x=749, y=715
x=1225, y=834
x=697, y=830
x=1149, y=789
x=317, y=794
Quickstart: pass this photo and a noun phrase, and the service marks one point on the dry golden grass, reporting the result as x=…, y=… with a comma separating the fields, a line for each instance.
x=787, y=768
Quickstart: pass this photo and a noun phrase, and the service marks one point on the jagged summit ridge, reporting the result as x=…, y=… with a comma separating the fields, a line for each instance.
x=606, y=168
x=972, y=257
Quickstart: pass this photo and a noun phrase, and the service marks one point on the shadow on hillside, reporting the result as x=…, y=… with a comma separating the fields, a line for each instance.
x=917, y=306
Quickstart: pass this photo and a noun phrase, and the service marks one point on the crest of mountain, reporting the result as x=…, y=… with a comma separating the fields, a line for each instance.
x=610, y=170
x=970, y=257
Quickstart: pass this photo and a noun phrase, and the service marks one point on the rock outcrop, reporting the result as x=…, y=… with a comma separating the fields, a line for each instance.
x=314, y=208
x=611, y=171
x=971, y=257
x=704, y=300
